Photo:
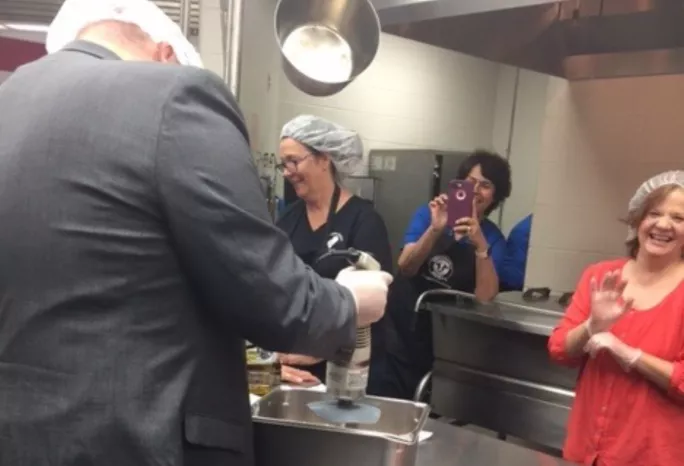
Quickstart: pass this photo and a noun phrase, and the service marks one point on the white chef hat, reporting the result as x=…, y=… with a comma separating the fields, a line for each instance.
x=669, y=178
x=75, y=15
x=344, y=146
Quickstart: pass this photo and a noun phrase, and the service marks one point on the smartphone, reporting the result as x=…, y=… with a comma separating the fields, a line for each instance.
x=460, y=200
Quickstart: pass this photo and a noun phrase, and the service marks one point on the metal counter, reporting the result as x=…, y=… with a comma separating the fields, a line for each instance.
x=504, y=313
x=454, y=446
x=492, y=368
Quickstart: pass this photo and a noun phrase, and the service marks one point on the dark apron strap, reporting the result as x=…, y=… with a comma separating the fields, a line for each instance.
x=319, y=369
x=331, y=215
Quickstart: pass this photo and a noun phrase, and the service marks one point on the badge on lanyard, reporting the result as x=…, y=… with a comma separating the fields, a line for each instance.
x=334, y=238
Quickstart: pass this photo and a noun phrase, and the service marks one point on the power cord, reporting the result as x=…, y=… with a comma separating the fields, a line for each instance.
x=351, y=255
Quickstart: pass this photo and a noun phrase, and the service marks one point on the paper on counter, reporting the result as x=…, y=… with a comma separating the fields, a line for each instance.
x=318, y=388
x=423, y=435
x=321, y=388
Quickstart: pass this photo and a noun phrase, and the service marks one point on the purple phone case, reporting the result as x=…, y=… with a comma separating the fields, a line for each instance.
x=460, y=200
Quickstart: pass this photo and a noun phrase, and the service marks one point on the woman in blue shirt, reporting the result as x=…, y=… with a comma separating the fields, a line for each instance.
x=515, y=261
x=468, y=258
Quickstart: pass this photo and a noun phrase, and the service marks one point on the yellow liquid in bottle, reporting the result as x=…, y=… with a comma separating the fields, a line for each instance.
x=263, y=371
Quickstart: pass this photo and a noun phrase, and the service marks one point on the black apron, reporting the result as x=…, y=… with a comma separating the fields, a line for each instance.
x=450, y=265
x=327, y=269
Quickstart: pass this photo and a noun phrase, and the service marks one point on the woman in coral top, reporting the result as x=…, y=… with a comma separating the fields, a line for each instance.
x=625, y=329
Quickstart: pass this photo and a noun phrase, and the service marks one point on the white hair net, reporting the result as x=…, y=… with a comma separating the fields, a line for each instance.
x=670, y=178
x=342, y=145
x=75, y=15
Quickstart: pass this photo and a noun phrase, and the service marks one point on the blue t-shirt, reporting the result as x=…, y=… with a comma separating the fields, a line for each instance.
x=515, y=261
x=495, y=239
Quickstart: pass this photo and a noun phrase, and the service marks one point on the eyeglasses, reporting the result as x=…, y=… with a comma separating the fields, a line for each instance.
x=482, y=184
x=291, y=164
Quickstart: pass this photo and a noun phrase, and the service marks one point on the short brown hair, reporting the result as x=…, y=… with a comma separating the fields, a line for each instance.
x=635, y=218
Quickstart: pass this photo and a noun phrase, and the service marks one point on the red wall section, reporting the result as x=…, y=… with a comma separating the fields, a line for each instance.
x=15, y=52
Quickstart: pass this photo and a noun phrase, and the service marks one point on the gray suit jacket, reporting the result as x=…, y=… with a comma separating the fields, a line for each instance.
x=136, y=253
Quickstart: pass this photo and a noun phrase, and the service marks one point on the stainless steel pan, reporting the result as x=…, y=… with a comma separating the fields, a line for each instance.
x=326, y=44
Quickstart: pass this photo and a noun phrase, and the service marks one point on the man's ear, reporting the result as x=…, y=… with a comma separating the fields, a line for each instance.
x=165, y=54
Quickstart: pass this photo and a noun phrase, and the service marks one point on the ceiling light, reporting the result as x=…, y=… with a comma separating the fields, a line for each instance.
x=26, y=27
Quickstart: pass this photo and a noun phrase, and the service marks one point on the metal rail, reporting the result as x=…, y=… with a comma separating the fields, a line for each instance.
x=231, y=31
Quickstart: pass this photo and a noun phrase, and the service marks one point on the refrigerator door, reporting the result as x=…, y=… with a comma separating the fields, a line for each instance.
x=450, y=163
x=405, y=181
x=362, y=186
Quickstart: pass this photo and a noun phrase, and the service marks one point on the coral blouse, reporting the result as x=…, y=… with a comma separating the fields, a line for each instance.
x=620, y=418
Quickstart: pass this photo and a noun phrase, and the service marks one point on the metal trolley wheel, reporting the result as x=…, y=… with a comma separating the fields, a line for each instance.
x=423, y=391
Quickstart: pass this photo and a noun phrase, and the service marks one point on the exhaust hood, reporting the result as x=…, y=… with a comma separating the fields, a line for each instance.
x=574, y=39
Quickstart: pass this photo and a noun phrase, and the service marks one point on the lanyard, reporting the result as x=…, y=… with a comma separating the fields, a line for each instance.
x=331, y=215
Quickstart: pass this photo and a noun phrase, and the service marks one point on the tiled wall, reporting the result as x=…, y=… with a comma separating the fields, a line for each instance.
x=413, y=95
x=600, y=140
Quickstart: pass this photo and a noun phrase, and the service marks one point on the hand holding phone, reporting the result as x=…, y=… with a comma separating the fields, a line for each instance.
x=438, y=212
x=461, y=194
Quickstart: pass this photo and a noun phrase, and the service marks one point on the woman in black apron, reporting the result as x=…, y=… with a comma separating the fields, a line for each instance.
x=409, y=337
x=467, y=259
x=314, y=153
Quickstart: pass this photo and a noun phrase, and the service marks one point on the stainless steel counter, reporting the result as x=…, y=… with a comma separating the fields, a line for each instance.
x=492, y=367
x=501, y=314
x=453, y=446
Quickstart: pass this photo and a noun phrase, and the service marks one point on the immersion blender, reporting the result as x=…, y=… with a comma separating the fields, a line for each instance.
x=346, y=380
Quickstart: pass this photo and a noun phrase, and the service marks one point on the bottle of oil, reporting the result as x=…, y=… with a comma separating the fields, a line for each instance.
x=263, y=370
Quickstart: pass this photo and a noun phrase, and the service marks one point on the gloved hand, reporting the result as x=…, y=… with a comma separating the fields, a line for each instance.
x=606, y=308
x=624, y=354
x=369, y=289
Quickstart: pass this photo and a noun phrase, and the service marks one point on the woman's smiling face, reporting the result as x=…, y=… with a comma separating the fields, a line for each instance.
x=661, y=230
x=484, y=189
x=302, y=168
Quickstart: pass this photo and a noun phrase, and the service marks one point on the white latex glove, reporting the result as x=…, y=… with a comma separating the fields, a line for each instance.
x=606, y=308
x=624, y=354
x=369, y=289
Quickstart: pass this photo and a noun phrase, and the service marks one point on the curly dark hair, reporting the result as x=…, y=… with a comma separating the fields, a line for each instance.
x=495, y=168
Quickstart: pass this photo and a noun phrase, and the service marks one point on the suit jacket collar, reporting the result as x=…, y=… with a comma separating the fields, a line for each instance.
x=92, y=49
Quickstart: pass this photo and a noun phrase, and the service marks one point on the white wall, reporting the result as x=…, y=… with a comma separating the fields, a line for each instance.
x=600, y=140
x=259, y=72
x=531, y=90
x=413, y=95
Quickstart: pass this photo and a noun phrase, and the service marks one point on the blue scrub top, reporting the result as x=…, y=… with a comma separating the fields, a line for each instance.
x=496, y=240
x=515, y=260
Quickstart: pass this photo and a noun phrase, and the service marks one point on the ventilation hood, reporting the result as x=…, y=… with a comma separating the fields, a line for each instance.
x=574, y=39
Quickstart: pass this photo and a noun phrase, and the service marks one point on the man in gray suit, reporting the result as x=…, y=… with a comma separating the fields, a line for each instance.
x=136, y=253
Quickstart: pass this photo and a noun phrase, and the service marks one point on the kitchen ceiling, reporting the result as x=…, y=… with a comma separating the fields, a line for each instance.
x=575, y=39
x=43, y=11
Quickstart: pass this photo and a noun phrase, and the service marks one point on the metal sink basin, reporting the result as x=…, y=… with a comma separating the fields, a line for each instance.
x=288, y=433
